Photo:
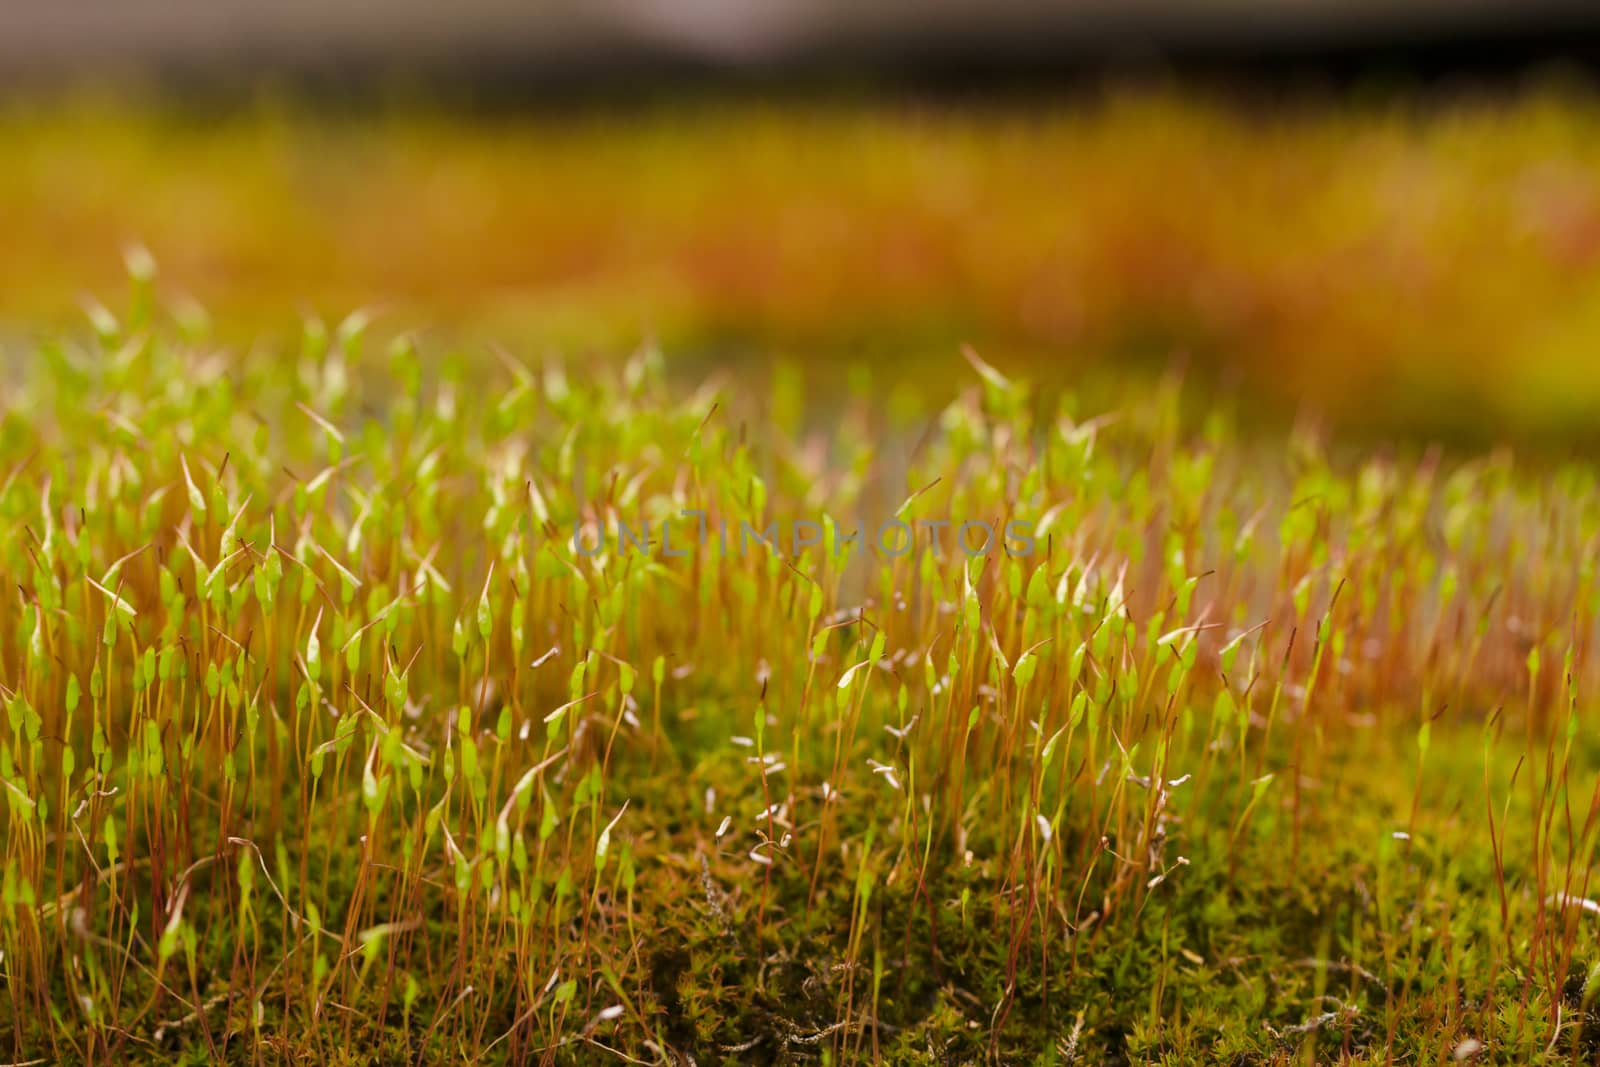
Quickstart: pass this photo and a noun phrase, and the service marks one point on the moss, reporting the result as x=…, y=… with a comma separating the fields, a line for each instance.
x=322, y=741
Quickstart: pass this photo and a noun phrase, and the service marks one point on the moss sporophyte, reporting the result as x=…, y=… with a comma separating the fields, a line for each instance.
x=325, y=740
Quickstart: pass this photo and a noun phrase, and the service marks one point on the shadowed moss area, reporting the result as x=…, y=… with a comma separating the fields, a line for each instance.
x=373, y=703
x=1424, y=268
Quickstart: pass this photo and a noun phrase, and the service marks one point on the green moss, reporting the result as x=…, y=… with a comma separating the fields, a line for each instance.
x=323, y=741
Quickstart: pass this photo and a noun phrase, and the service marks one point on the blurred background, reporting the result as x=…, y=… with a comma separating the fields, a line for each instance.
x=1385, y=217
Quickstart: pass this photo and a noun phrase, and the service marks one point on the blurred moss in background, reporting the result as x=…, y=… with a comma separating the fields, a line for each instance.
x=1417, y=268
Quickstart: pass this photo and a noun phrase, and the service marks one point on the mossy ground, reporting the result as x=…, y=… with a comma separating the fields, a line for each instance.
x=326, y=740
x=1405, y=264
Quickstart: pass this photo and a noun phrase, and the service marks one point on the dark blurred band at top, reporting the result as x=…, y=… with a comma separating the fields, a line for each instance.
x=511, y=50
